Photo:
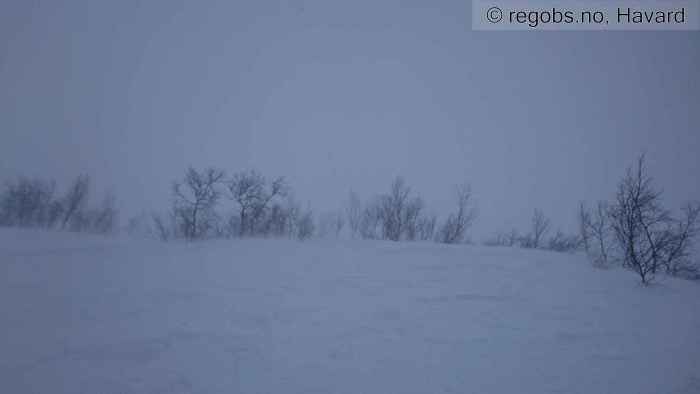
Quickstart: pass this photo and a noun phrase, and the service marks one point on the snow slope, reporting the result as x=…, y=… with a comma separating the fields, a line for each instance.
x=82, y=314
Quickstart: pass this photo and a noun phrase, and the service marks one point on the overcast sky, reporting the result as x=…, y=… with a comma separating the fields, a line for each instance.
x=340, y=95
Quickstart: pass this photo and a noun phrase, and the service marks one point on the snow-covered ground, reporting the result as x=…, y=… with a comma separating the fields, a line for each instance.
x=81, y=314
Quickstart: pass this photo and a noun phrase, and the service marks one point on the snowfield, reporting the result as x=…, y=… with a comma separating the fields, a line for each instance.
x=82, y=314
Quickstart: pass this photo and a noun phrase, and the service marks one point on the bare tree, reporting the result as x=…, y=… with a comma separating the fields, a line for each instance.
x=562, y=242
x=250, y=191
x=393, y=210
x=584, y=218
x=194, y=201
x=305, y=225
x=640, y=223
x=54, y=213
x=75, y=199
x=33, y=202
x=104, y=218
x=426, y=227
x=540, y=228
x=411, y=218
x=370, y=219
x=596, y=233
x=293, y=212
x=678, y=243
x=511, y=238
x=456, y=225
x=395, y=216
x=276, y=221
x=398, y=212
x=28, y=202
x=639, y=232
x=353, y=212
x=165, y=227
x=278, y=188
x=247, y=189
x=338, y=224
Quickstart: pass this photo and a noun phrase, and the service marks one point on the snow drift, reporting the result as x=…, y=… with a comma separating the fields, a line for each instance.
x=87, y=314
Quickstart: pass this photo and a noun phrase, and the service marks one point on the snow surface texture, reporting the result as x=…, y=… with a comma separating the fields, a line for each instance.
x=83, y=314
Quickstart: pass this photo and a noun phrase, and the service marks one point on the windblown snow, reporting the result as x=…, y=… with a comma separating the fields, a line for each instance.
x=84, y=314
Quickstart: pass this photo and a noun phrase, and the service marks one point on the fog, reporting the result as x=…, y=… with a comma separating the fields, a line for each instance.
x=340, y=96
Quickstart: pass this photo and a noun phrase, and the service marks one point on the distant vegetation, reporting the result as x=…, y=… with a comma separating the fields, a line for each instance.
x=27, y=202
x=538, y=237
x=636, y=231
x=209, y=204
x=633, y=230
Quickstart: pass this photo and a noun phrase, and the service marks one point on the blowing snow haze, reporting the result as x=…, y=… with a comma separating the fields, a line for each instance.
x=340, y=96
x=345, y=197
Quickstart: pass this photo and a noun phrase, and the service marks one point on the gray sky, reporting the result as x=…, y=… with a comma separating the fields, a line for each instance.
x=344, y=95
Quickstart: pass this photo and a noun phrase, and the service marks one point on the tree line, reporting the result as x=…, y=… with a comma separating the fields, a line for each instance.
x=401, y=215
x=633, y=230
x=537, y=237
x=207, y=203
x=636, y=231
x=35, y=202
x=259, y=207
